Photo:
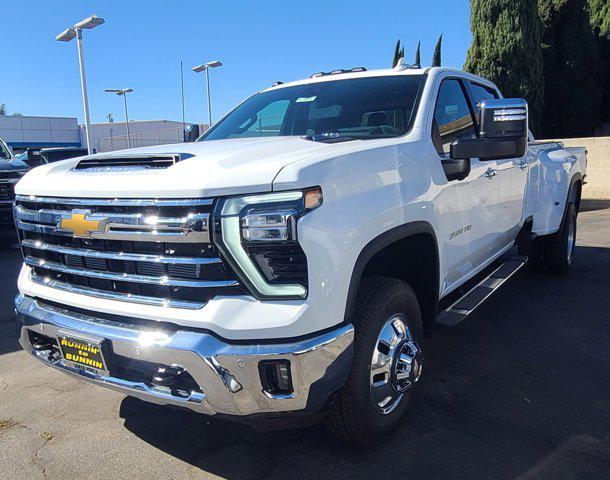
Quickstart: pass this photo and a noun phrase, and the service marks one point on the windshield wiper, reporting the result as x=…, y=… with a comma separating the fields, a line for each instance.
x=330, y=137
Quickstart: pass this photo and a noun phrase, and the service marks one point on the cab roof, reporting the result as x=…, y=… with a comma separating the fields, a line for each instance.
x=402, y=70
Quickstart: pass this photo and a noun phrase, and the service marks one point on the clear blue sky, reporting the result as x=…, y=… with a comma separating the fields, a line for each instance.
x=142, y=43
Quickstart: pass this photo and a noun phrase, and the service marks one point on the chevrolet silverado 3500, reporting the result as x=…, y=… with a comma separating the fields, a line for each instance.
x=289, y=263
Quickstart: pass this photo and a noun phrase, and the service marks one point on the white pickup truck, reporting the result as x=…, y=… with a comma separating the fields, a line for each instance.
x=288, y=264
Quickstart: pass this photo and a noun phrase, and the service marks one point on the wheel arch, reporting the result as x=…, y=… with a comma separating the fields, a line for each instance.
x=408, y=252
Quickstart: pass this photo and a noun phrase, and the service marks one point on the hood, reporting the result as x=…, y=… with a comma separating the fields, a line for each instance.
x=217, y=167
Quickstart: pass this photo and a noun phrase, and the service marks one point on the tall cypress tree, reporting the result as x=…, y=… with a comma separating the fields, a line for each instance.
x=573, y=79
x=599, y=13
x=418, y=54
x=396, y=53
x=506, y=49
x=436, y=58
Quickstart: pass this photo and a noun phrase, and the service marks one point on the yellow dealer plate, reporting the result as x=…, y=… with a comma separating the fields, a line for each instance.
x=83, y=354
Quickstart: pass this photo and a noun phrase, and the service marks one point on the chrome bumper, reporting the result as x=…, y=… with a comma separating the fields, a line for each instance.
x=227, y=374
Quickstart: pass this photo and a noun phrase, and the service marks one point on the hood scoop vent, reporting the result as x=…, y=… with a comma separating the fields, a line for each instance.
x=125, y=163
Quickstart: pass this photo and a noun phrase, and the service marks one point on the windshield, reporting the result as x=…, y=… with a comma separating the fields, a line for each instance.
x=362, y=108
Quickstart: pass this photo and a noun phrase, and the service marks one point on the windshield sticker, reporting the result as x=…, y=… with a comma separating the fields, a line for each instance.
x=306, y=99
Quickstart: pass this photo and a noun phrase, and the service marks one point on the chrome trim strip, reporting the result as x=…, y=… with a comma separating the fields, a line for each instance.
x=6, y=202
x=120, y=297
x=192, y=228
x=133, y=257
x=127, y=277
x=128, y=235
x=323, y=360
x=119, y=202
x=194, y=225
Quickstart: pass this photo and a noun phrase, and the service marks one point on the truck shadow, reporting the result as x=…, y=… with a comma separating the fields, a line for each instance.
x=516, y=391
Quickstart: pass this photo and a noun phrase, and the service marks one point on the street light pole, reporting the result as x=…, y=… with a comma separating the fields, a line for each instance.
x=206, y=67
x=207, y=82
x=77, y=32
x=127, y=121
x=83, y=82
x=123, y=92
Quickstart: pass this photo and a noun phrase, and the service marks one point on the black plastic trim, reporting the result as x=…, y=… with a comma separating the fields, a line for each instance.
x=379, y=243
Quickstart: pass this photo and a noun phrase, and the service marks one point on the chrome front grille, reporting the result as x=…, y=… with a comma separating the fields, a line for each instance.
x=155, y=252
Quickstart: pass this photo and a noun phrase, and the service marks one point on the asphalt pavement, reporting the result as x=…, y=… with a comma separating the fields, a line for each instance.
x=521, y=390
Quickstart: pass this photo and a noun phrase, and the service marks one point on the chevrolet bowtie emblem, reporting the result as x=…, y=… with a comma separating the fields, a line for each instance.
x=81, y=224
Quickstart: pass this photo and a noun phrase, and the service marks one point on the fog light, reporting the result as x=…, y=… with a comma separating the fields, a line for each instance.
x=276, y=378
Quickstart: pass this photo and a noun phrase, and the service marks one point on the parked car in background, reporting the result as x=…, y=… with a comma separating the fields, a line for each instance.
x=37, y=157
x=11, y=170
x=289, y=263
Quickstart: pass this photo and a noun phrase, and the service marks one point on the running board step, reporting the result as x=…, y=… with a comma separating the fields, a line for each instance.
x=468, y=302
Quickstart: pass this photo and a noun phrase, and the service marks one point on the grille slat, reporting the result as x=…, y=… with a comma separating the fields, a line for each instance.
x=180, y=275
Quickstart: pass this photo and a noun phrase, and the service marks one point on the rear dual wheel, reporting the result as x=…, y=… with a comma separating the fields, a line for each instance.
x=559, y=249
x=555, y=253
x=387, y=362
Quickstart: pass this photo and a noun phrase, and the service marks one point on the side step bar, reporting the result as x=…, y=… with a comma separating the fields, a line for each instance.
x=468, y=302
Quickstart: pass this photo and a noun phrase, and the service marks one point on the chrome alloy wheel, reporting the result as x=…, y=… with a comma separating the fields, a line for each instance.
x=571, y=239
x=396, y=364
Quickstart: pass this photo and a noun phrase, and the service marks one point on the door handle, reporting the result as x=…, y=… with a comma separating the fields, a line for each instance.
x=490, y=173
x=522, y=165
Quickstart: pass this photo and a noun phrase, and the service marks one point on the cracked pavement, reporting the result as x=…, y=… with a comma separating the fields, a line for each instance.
x=518, y=391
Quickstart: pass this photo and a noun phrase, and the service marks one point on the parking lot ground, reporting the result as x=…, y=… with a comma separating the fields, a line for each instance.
x=520, y=390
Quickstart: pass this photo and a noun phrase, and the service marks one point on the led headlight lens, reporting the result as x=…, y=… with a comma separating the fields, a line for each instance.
x=265, y=224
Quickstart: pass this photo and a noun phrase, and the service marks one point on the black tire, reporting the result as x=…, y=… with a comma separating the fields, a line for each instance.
x=354, y=417
x=559, y=248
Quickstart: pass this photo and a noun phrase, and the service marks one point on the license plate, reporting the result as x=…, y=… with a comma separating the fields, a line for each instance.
x=82, y=353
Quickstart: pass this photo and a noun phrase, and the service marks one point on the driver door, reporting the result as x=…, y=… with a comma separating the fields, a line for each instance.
x=467, y=207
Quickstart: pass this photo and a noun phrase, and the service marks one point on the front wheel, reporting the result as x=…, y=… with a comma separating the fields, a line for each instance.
x=387, y=362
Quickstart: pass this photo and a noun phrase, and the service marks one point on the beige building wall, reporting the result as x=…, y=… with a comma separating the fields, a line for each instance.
x=598, y=166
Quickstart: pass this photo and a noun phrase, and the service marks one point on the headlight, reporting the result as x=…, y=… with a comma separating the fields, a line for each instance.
x=258, y=235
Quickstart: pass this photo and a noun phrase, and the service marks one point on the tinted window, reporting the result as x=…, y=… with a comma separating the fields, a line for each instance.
x=4, y=153
x=372, y=107
x=452, y=118
x=480, y=93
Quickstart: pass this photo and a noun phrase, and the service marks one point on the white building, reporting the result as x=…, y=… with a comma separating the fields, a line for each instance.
x=25, y=132
x=21, y=132
x=113, y=135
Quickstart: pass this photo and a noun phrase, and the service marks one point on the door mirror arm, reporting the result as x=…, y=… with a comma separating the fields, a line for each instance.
x=456, y=169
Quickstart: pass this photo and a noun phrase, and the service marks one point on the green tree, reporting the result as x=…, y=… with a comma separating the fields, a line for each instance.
x=599, y=13
x=572, y=69
x=396, y=54
x=506, y=49
x=418, y=54
x=436, y=58
x=2, y=109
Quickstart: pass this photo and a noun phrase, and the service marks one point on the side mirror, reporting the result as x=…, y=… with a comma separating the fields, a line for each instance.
x=502, y=132
x=191, y=133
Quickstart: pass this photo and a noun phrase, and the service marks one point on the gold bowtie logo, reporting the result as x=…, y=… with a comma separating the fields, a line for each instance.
x=81, y=225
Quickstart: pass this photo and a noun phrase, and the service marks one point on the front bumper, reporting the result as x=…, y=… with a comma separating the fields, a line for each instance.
x=227, y=374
